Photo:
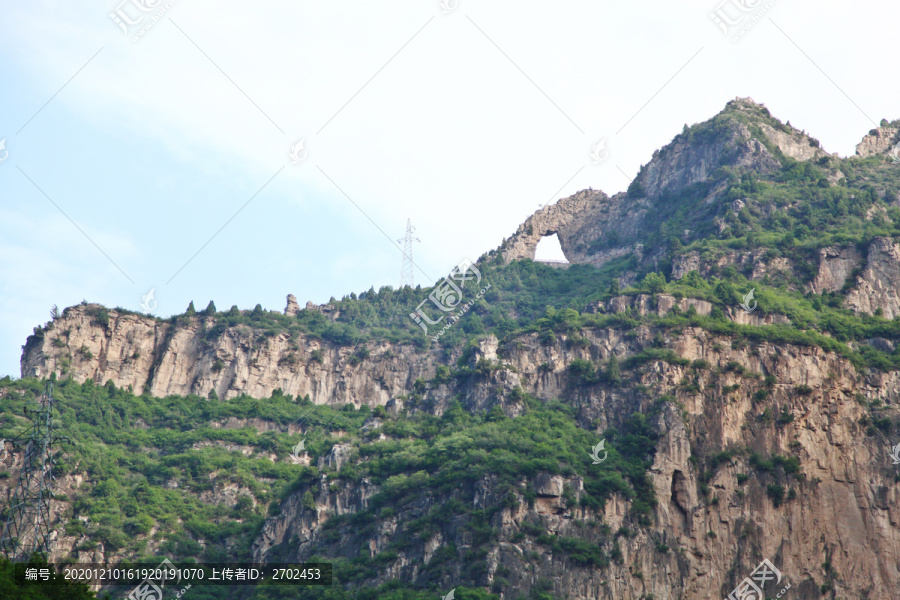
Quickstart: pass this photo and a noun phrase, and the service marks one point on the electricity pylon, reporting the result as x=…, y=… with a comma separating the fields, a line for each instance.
x=27, y=528
x=406, y=269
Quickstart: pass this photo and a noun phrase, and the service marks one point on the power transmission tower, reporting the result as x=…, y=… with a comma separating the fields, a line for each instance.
x=406, y=270
x=27, y=528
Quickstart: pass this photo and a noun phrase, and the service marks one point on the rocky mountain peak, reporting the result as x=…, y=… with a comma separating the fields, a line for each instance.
x=743, y=136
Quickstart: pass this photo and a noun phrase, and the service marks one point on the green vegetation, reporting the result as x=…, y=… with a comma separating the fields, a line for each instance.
x=790, y=212
x=150, y=458
x=438, y=461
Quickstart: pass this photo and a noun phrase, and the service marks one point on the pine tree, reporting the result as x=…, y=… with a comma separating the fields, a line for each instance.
x=613, y=374
x=614, y=287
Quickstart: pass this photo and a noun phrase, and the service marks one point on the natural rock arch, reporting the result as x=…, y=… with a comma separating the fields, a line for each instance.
x=567, y=219
x=549, y=248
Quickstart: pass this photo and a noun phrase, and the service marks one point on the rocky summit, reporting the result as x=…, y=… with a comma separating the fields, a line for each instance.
x=704, y=403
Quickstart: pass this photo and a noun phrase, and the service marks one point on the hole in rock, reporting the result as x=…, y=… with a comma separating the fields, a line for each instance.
x=549, y=249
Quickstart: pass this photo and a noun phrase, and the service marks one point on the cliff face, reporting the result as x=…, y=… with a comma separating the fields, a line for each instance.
x=714, y=520
x=685, y=162
x=879, y=283
x=165, y=359
x=836, y=266
x=147, y=353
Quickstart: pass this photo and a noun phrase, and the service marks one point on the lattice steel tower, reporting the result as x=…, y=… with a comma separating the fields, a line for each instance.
x=27, y=527
x=406, y=270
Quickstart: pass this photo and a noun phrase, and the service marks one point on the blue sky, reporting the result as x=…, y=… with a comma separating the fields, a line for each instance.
x=164, y=162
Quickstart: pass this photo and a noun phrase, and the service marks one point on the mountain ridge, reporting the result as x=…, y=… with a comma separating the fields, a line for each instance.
x=727, y=327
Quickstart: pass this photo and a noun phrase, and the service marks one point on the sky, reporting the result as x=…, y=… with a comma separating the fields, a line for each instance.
x=238, y=152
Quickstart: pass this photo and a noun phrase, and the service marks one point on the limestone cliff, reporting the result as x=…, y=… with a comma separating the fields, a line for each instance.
x=713, y=517
x=165, y=358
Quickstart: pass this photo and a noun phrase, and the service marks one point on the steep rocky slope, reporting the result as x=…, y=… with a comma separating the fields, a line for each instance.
x=845, y=511
x=166, y=358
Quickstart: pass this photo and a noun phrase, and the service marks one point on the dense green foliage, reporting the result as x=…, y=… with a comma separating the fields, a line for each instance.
x=433, y=463
x=134, y=449
x=151, y=458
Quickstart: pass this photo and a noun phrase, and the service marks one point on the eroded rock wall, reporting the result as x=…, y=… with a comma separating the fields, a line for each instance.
x=147, y=353
x=846, y=510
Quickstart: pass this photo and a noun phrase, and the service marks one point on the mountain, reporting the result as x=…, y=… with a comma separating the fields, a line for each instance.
x=713, y=380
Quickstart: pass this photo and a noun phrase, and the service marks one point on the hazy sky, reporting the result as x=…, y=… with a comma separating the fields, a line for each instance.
x=159, y=158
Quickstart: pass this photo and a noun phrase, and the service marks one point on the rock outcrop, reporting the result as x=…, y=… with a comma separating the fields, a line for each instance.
x=878, y=141
x=162, y=358
x=836, y=265
x=878, y=287
x=576, y=220
x=335, y=458
x=686, y=161
x=794, y=144
x=292, y=308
